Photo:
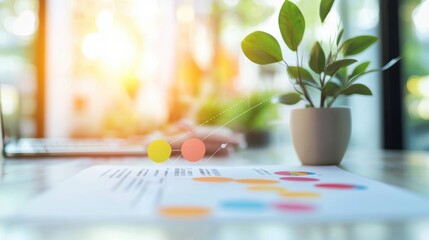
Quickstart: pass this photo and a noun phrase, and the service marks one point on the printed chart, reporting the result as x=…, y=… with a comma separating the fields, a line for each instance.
x=299, y=194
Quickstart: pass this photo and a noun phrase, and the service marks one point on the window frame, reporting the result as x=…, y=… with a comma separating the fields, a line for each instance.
x=392, y=86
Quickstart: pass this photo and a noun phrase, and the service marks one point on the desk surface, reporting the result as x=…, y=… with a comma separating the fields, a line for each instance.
x=22, y=179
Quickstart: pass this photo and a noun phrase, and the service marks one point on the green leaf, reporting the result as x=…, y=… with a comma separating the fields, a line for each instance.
x=329, y=59
x=342, y=75
x=317, y=59
x=340, y=36
x=335, y=66
x=361, y=68
x=357, y=45
x=357, y=89
x=303, y=74
x=261, y=48
x=390, y=63
x=290, y=98
x=325, y=8
x=291, y=24
x=385, y=67
x=331, y=88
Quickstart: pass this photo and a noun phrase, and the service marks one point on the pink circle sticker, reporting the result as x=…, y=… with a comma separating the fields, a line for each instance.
x=193, y=149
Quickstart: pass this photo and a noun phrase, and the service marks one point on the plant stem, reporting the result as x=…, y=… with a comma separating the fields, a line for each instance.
x=291, y=82
x=322, y=83
x=301, y=84
x=336, y=95
x=332, y=102
x=322, y=94
x=322, y=99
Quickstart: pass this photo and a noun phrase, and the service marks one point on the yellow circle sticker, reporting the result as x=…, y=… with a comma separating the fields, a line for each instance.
x=159, y=151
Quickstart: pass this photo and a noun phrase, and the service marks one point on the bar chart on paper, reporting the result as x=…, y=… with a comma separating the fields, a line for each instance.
x=295, y=194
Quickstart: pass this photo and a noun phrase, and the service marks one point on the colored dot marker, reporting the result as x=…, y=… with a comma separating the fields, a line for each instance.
x=265, y=188
x=299, y=179
x=257, y=181
x=159, y=151
x=340, y=186
x=244, y=205
x=293, y=207
x=293, y=173
x=213, y=179
x=193, y=149
x=299, y=194
x=184, y=212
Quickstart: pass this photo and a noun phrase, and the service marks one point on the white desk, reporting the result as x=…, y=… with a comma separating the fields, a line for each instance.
x=22, y=179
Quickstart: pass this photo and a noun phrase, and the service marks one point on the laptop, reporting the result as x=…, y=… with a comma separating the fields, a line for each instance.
x=41, y=147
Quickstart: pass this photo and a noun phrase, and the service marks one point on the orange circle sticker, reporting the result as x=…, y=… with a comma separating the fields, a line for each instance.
x=213, y=179
x=300, y=194
x=188, y=211
x=265, y=188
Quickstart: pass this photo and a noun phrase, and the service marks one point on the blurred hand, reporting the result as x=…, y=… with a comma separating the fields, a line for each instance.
x=220, y=141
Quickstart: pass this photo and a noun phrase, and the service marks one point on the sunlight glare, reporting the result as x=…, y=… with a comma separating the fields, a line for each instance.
x=104, y=20
x=421, y=19
x=23, y=25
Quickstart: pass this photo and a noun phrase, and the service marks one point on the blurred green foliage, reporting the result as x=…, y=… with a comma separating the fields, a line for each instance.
x=249, y=12
x=255, y=112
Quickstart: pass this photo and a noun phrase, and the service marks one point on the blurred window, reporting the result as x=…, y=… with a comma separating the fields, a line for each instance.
x=124, y=68
x=18, y=32
x=414, y=19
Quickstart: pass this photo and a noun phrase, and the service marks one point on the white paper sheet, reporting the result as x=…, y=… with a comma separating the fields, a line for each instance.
x=295, y=194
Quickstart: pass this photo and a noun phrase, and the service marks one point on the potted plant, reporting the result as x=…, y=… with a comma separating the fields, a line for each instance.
x=320, y=133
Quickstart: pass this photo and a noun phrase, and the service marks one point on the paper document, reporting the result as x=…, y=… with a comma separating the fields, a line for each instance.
x=295, y=194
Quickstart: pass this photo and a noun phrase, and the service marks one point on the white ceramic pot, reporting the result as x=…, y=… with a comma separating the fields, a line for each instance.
x=320, y=136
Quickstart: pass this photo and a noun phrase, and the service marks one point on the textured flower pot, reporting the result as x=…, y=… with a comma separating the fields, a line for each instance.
x=320, y=136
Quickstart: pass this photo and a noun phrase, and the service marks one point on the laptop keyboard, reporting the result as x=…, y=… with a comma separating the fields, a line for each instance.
x=71, y=143
x=74, y=145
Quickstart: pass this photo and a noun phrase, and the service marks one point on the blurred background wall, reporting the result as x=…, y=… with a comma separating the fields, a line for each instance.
x=126, y=68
